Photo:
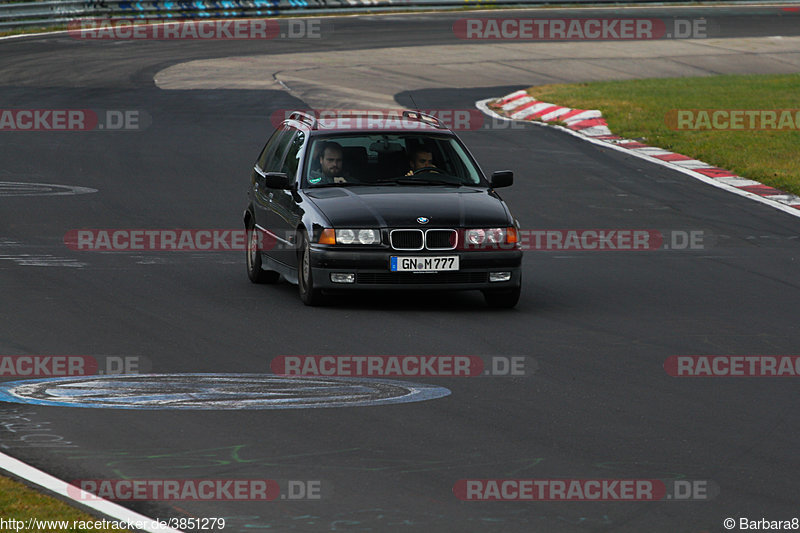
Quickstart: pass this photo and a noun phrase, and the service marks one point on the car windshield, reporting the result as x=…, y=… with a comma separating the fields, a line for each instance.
x=381, y=159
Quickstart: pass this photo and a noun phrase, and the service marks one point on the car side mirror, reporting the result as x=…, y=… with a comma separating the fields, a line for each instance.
x=501, y=178
x=277, y=180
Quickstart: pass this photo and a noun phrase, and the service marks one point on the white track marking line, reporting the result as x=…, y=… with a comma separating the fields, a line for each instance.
x=53, y=484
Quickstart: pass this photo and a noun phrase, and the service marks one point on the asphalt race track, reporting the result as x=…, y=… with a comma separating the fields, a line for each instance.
x=594, y=328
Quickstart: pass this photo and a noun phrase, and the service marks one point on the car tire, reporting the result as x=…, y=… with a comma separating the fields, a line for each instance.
x=502, y=299
x=254, y=270
x=305, y=277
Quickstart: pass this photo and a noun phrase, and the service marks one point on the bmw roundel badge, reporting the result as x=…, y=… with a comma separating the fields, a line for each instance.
x=423, y=220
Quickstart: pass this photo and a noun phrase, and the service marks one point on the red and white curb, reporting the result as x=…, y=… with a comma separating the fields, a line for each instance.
x=590, y=125
x=68, y=492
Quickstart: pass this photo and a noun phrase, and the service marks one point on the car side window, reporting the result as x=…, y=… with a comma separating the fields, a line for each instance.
x=292, y=158
x=268, y=149
x=272, y=154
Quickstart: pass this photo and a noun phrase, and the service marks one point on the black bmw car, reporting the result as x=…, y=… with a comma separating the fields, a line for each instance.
x=378, y=201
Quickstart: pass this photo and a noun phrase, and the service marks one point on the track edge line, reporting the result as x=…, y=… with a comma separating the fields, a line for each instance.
x=51, y=483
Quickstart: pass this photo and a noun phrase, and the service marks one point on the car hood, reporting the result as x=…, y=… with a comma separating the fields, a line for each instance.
x=400, y=206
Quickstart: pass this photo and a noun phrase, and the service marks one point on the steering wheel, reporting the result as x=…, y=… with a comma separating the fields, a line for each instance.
x=427, y=169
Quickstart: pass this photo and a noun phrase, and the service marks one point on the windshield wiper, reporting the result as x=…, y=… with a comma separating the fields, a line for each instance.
x=419, y=181
x=342, y=184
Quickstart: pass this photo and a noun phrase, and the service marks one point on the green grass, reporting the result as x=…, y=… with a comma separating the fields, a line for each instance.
x=19, y=502
x=25, y=31
x=637, y=109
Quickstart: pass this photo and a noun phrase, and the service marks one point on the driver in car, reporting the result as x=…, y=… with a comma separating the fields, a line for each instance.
x=419, y=158
x=330, y=165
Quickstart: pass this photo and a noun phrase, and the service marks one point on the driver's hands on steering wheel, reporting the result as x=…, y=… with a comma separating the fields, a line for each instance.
x=426, y=169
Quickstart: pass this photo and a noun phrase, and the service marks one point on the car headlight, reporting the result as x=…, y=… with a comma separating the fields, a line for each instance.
x=478, y=237
x=345, y=236
x=369, y=236
x=358, y=236
x=496, y=235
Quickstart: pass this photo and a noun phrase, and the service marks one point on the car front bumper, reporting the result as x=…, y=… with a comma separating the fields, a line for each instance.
x=371, y=270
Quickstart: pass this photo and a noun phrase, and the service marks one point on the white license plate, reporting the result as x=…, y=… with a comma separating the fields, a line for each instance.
x=423, y=263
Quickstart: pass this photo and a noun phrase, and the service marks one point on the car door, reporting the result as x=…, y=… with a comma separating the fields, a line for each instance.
x=285, y=212
x=270, y=160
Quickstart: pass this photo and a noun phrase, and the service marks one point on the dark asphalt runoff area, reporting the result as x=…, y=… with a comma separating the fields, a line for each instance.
x=595, y=328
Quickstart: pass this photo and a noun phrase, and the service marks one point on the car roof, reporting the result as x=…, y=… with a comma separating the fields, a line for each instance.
x=401, y=121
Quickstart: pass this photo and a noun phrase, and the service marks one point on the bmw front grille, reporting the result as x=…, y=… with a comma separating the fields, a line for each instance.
x=429, y=239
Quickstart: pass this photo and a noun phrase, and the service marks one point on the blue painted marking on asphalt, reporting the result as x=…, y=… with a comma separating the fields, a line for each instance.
x=215, y=392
